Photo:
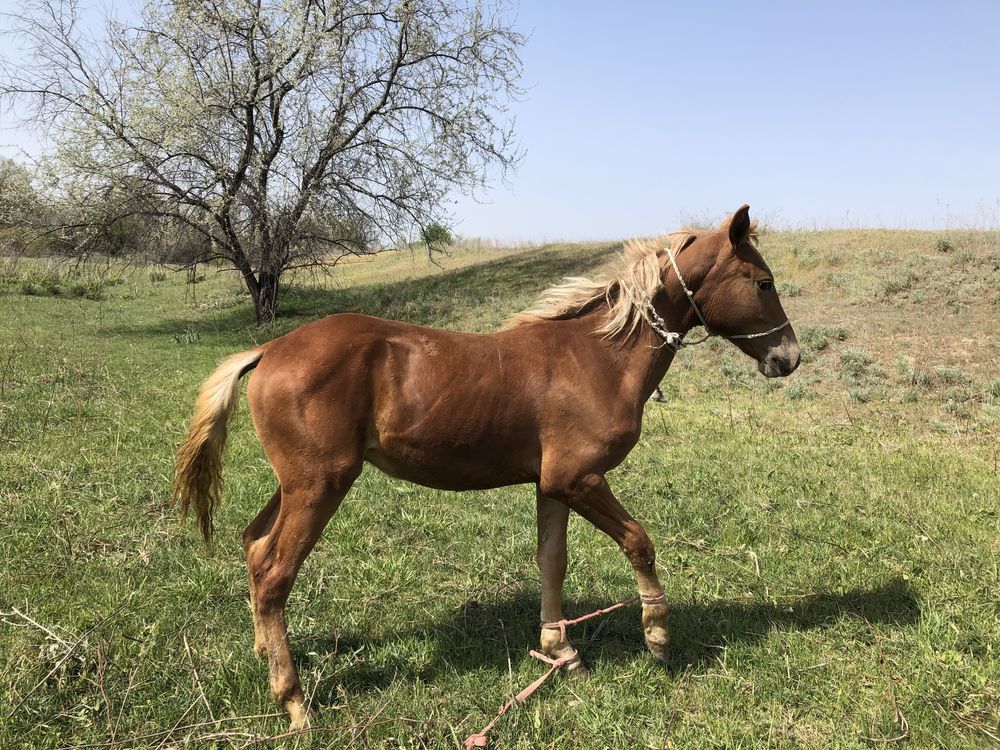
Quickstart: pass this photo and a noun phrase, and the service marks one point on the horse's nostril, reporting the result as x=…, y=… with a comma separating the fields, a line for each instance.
x=780, y=364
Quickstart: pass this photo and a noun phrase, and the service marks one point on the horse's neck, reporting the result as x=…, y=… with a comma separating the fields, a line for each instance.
x=640, y=361
x=649, y=354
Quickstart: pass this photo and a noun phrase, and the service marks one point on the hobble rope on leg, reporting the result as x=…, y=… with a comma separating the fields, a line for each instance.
x=480, y=739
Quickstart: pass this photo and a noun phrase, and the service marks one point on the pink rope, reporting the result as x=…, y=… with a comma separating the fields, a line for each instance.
x=479, y=739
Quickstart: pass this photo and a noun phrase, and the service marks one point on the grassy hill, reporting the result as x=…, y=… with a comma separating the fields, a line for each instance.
x=829, y=542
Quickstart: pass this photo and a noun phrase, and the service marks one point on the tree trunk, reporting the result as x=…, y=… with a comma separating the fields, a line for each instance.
x=265, y=297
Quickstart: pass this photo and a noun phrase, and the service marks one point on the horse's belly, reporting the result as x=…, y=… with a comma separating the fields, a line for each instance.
x=453, y=466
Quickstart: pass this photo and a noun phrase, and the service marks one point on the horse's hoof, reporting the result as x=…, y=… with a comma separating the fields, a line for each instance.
x=578, y=671
x=299, y=715
x=657, y=641
x=260, y=649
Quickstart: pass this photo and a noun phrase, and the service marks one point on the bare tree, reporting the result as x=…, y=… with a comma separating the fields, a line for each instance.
x=284, y=132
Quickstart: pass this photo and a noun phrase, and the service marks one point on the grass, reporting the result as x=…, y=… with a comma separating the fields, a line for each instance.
x=829, y=543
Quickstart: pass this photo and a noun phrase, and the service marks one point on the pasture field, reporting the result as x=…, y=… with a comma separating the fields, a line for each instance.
x=830, y=543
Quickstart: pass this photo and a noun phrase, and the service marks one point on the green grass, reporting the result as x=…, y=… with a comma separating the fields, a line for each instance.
x=832, y=561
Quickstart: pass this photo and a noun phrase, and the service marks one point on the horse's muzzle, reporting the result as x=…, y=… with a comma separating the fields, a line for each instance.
x=780, y=361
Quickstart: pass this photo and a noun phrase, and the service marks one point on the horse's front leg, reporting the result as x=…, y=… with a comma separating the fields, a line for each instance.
x=591, y=497
x=552, y=517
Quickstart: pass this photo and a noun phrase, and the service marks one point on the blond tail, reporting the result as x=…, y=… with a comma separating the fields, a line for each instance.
x=198, y=474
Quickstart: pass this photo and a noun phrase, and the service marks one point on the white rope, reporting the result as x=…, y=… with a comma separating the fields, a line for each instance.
x=758, y=335
x=676, y=340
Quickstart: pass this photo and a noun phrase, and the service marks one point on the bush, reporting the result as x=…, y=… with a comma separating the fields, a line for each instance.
x=943, y=246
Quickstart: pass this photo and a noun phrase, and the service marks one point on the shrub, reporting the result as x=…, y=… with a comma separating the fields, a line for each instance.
x=943, y=246
x=951, y=374
x=40, y=284
x=89, y=289
x=818, y=338
x=899, y=282
x=860, y=395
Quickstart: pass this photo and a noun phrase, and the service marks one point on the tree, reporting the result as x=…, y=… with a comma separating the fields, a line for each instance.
x=435, y=235
x=18, y=198
x=284, y=132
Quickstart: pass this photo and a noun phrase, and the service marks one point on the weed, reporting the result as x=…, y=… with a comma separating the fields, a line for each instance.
x=860, y=395
x=90, y=289
x=188, y=336
x=943, y=246
x=842, y=281
x=819, y=337
x=734, y=370
x=157, y=275
x=789, y=289
x=806, y=257
x=938, y=425
x=855, y=360
x=912, y=375
x=898, y=282
x=799, y=392
x=960, y=409
x=992, y=391
x=952, y=374
x=956, y=306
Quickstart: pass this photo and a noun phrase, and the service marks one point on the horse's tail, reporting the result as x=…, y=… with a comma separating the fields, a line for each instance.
x=198, y=473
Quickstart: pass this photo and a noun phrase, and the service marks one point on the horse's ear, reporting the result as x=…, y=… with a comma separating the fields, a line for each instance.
x=739, y=226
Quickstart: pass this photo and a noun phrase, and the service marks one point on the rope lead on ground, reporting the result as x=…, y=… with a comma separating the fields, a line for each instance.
x=480, y=739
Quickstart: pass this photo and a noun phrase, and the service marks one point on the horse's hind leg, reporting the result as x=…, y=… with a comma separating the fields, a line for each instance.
x=552, y=519
x=274, y=560
x=260, y=527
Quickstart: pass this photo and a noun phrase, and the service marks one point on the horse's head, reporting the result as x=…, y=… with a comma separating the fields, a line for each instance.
x=735, y=292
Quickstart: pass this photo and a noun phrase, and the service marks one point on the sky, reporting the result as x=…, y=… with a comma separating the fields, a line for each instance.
x=639, y=117
x=842, y=114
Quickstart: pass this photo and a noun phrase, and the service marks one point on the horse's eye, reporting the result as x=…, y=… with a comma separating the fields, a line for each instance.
x=765, y=285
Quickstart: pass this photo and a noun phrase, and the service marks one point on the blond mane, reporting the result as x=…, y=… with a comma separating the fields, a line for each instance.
x=627, y=295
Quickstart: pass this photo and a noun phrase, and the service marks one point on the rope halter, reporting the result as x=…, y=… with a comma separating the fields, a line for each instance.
x=676, y=340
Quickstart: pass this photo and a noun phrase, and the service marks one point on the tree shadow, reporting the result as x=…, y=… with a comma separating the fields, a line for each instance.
x=437, y=299
x=483, y=636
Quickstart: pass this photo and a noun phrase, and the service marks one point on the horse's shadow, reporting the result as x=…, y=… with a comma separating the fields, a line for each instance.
x=483, y=636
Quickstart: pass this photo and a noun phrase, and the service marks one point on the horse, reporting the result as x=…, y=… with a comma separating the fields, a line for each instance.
x=554, y=398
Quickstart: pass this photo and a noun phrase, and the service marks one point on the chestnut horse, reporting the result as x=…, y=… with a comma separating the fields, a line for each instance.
x=554, y=399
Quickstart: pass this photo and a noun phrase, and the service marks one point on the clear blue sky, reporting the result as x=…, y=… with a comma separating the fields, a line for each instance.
x=642, y=116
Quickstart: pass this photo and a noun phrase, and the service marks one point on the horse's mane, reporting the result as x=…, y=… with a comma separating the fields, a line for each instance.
x=626, y=294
